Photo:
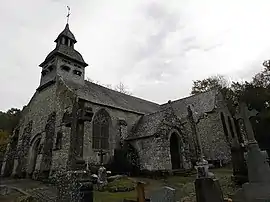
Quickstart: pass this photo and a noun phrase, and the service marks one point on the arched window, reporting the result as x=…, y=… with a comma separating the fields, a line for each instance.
x=224, y=125
x=101, y=126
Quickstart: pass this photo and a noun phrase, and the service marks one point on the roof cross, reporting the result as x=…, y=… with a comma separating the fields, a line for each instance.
x=68, y=14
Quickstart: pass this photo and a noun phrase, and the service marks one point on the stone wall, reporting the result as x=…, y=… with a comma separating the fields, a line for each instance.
x=214, y=142
x=69, y=75
x=65, y=98
x=91, y=155
x=215, y=146
x=154, y=151
x=37, y=111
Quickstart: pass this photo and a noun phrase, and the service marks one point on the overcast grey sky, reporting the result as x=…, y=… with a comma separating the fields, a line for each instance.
x=155, y=47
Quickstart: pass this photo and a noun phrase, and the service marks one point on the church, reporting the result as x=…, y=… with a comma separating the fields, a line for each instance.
x=70, y=119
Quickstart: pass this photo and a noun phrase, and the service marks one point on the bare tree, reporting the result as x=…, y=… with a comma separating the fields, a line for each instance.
x=122, y=88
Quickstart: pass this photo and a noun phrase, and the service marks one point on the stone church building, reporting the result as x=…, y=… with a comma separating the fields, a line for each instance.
x=70, y=119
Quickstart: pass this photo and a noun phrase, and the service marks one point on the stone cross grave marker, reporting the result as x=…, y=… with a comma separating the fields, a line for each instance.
x=258, y=186
x=193, y=121
x=246, y=114
x=165, y=194
x=101, y=154
x=240, y=171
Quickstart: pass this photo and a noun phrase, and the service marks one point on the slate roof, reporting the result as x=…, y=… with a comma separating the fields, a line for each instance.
x=105, y=96
x=66, y=32
x=64, y=50
x=202, y=103
x=68, y=52
x=147, y=125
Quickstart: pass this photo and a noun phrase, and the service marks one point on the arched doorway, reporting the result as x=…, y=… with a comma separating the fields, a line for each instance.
x=175, y=151
x=33, y=154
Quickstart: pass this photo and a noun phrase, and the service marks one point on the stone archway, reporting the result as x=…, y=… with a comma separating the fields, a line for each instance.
x=176, y=158
x=35, y=143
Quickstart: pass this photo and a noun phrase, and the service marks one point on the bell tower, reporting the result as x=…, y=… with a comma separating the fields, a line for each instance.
x=64, y=61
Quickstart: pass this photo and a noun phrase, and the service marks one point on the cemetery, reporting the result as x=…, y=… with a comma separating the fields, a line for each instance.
x=77, y=141
x=202, y=184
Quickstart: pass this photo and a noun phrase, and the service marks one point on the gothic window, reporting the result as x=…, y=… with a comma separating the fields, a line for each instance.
x=101, y=130
x=224, y=125
x=58, y=142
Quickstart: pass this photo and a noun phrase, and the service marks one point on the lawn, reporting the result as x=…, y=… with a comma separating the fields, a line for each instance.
x=184, y=187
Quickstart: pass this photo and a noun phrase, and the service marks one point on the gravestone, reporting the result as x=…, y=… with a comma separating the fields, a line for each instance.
x=238, y=150
x=258, y=187
x=206, y=186
x=208, y=190
x=102, y=172
x=102, y=175
x=165, y=194
x=86, y=191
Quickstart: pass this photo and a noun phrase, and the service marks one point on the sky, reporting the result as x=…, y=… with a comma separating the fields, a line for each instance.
x=157, y=48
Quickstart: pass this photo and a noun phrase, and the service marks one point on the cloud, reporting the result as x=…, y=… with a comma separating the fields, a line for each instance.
x=157, y=48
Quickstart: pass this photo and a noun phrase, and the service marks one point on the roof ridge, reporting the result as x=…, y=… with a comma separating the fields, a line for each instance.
x=191, y=96
x=122, y=93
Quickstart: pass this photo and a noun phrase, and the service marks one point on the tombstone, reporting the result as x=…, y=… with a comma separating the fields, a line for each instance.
x=240, y=172
x=86, y=191
x=102, y=175
x=165, y=194
x=206, y=186
x=208, y=190
x=258, y=187
x=238, y=150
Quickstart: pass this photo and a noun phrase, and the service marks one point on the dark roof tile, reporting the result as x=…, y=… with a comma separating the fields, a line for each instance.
x=202, y=103
x=105, y=96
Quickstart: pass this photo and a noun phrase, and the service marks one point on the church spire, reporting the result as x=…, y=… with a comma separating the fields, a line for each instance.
x=65, y=47
x=66, y=37
x=64, y=61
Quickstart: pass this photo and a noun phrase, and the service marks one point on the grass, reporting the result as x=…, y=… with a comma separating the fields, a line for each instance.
x=184, y=187
x=124, y=184
x=113, y=197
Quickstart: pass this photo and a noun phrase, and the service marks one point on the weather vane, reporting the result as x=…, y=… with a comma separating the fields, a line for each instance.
x=68, y=14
